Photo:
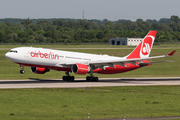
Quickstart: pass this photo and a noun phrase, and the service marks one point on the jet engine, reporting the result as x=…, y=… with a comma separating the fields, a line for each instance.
x=80, y=68
x=39, y=70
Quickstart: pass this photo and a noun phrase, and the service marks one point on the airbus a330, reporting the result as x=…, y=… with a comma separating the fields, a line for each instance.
x=42, y=60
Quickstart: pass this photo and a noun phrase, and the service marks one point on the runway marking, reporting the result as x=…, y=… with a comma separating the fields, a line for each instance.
x=81, y=83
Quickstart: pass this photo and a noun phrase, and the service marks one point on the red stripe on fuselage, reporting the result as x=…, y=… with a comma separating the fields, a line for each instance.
x=107, y=70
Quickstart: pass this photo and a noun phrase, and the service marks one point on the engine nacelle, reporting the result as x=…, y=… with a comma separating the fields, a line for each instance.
x=39, y=70
x=80, y=68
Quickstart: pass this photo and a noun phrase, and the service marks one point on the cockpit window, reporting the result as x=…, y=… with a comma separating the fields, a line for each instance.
x=14, y=51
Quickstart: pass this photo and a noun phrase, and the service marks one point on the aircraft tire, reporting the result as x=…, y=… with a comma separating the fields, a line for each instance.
x=22, y=71
x=92, y=79
x=68, y=78
x=71, y=78
x=64, y=78
x=88, y=78
x=96, y=79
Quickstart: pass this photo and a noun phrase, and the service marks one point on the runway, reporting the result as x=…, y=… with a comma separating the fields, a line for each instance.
x=81, y=83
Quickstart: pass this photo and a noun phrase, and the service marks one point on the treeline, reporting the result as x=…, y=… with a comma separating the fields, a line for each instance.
x=86, y=31
x=99, y=22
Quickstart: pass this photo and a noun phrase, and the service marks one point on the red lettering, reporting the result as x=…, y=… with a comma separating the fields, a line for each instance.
x=52, y=56
x=36, y=53
x=46, y=55
x=56, y=56
x=49, y=55
x=32, y=54
x=40, y=54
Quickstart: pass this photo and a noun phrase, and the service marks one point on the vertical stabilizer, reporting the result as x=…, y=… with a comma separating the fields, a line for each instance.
x=143, y=50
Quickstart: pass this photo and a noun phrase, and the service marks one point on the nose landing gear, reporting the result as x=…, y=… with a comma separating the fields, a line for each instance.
x=22, y=69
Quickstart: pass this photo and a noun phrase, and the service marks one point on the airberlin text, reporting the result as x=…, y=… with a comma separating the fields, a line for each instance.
x=40, y=54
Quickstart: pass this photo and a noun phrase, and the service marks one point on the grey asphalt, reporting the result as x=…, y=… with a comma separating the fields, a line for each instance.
x=81, y=83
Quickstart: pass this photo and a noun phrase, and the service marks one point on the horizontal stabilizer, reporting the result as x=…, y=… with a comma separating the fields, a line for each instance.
x=147, y=63
x=161, y=61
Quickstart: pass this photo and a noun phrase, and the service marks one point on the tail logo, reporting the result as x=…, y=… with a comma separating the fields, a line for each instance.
x=146, y=46
x=146, y=49
x=143, y=50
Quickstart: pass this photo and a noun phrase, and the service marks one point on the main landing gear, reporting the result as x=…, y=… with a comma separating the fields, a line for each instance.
x=68, y=77
x=22, y=69
x=91, y=78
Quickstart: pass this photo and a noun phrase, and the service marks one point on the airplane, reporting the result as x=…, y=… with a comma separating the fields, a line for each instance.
x=42, y=60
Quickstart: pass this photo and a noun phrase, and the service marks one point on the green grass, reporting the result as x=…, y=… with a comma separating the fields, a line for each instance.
x=10, y=70
x=103, y=102
x=83, y=46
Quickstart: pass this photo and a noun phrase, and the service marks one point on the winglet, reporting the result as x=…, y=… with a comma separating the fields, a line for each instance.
x=171, y=53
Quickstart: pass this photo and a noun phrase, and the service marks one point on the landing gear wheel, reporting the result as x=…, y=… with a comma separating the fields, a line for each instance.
x=71, y=78
x=64, y=78
x=96, y=79
x=87, y=78
x=68, y=78
x=22, y=71
x=92, y=79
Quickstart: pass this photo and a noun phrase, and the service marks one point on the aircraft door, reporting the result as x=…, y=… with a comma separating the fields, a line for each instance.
x=26, y=54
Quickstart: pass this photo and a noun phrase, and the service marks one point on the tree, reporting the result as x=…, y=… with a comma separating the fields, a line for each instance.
x=151, y=21
x=44, y=24
x=30, y=31
x=100, y=35
x=91, y=35
x=103, y=27
x=58, y=22
x=39, y=38
x=12, y=37
x=23, y=37
x=165, y=20
x=174, y=26
x=9, y=24
x=139, y=19
x=155, y=26
x=71, y=24
x=26, y=22
x=175, y=18
x=31, y=39
x=21, y=27
x=76, y=36
x=94, y=25
x=2, y=37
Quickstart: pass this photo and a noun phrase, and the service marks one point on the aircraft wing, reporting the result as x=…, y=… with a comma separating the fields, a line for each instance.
x=121, y=62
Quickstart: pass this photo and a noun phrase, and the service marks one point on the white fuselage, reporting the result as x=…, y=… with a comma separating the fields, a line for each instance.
x=52, y=58
x=64, y=60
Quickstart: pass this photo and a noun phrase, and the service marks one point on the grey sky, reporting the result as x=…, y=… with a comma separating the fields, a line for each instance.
x=93, y=9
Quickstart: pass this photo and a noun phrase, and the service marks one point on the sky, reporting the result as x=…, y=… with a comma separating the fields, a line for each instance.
x=93, y=9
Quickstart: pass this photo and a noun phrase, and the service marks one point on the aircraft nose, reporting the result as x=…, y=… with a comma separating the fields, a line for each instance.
x=7, y=55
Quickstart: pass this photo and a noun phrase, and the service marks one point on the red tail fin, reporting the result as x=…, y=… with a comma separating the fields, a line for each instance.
x=144, y=48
